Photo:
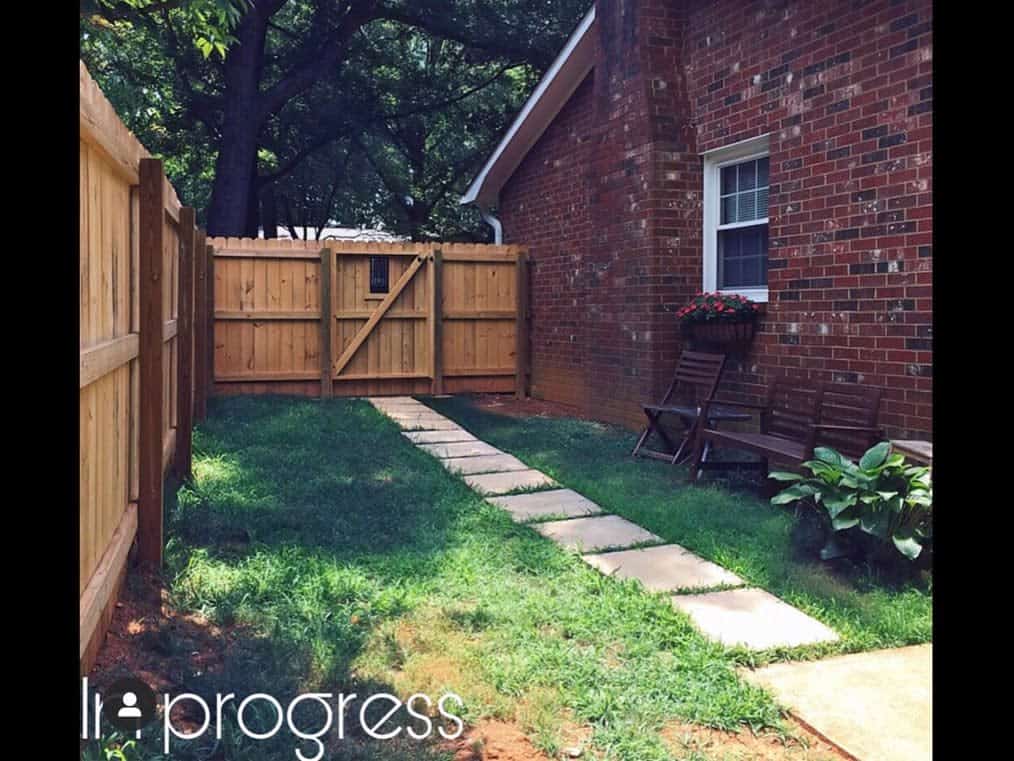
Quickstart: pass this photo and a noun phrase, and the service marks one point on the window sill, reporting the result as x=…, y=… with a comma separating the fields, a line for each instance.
x=375, y=296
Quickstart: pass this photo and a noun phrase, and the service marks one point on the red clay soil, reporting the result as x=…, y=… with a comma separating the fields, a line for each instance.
x=496, y=741
x=142, y=621
x=800, y=745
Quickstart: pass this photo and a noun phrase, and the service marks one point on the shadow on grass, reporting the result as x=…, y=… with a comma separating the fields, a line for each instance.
x=335, y=557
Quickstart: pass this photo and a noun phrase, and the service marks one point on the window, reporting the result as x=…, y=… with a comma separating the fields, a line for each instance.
x=378, y=274
x=736, y=219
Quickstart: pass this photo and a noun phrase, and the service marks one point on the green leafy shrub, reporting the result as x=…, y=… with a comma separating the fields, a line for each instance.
x=881, y=496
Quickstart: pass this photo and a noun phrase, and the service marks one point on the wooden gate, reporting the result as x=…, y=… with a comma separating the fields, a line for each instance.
x=353, y=319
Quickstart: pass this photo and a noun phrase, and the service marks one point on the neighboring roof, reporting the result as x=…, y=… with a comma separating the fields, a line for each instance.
x=558, y=84
x=337, y=233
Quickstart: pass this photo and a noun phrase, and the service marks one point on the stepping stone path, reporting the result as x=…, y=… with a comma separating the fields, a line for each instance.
x=557, y=503
x=438, y=437
x=746, y=616
x=504, y=483
x=493, y=463
x=598, y=532
x=753, y=618
x=663, y=569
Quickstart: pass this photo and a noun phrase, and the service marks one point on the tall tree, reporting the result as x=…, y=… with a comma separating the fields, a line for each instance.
x=386, y=84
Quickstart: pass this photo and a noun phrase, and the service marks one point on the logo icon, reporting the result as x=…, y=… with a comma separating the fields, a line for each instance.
x=129, y=704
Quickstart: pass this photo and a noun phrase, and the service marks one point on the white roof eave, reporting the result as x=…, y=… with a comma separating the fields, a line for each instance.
x=554, y=89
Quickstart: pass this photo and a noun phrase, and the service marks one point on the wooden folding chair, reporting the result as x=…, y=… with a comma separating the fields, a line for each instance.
x=694, y=382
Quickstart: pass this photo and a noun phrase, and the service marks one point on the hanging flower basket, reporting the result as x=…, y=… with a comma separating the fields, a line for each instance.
x=719, y=321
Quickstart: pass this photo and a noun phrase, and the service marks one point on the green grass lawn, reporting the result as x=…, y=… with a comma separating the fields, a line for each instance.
x=736, y=529
x=354, y=562
x=343, y=559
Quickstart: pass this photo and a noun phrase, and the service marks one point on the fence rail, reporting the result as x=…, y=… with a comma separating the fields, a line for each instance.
x=137, y=338
x=300, y=317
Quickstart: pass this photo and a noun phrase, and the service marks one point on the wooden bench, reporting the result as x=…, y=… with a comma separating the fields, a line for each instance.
x=920, y=451
x=796, y=417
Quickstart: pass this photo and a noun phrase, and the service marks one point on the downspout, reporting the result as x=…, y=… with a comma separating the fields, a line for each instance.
x=493, y=222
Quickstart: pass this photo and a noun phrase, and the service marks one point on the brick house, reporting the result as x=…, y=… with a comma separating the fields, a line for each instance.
x=647, y=147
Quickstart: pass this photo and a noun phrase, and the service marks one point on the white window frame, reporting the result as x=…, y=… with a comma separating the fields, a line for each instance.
x=714, y=160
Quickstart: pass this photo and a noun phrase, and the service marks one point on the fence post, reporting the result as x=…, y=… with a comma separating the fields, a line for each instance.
x=436, y=322
x=209, y=361
x=521, y=327
x=150, y=475
x=326, y=324
x=185, y=344
x=200, y=326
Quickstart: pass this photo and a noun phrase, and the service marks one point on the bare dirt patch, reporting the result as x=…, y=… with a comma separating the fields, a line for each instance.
x=492, y=740
x=152, y=641
x=507, y=404
x=798, y=744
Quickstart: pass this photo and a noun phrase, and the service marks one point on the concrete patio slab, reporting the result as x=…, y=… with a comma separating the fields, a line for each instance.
x=851, y=699
x=753, y=618
x=543, y=504
x=595, y=533
x=460, y=449
x=663, y=569
x=438, y=437
x=501, y=483
x=494, y=463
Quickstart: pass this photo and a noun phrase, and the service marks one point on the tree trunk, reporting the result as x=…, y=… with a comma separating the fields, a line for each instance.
x=269, y=211
x=253, y=210
x=236, y=167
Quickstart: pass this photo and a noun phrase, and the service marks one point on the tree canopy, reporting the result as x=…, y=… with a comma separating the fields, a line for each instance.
x=308, y=112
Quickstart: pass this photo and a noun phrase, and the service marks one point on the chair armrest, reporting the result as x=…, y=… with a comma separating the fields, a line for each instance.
x=707, y=404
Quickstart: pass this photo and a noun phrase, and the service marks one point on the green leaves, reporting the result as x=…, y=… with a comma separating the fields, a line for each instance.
x=875, y=456
x=882, y=496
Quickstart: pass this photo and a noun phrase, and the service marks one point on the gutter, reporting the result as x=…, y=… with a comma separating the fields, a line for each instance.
x=492, y=221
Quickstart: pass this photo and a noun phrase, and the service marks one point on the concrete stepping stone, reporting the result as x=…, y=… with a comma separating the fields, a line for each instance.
x=494, y=463
x=428, y=424
x=753, y=618
x=501, y=483
x=595, y=533
x=438, y=437
x=409, y=406
x=851, y=699
x=663, y=569
x=402, y=416
x=556, y=503
x=460, y=449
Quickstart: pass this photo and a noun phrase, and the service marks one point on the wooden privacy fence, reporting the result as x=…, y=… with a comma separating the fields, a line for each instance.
x=351, y=319
x=144, y=352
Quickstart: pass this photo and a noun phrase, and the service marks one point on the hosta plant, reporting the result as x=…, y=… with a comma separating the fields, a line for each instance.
x=881, y=496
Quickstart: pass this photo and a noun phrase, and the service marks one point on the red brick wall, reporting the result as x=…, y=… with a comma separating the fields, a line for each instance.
x=548, y=198
x=845, y=91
